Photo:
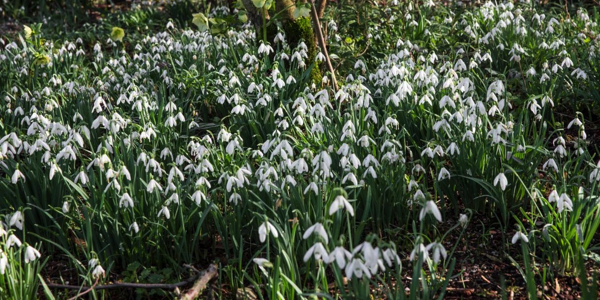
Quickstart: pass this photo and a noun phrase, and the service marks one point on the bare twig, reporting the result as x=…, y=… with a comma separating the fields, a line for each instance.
x=117, y=285
x=200, y=285
x=88, y=290
x=321, y=40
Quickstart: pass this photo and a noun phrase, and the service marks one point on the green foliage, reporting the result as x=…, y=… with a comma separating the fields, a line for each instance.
x=190, y=142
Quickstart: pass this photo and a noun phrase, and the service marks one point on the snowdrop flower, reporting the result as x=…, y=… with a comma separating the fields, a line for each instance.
x=319, y=229
x=340, y=202
x=16, y=220
x=82, y=177
x=438, y=251
x=262, y=262
x=13, y=240
x=575, y=122
x=430, y=207
x=265, y=49
x=126, y=201
x=502, y=180
x=340, y=255
x=65, y=207
x=444, y=174
x=463, y=220
x=31, y=254
x=562, y=202
x=98, y=272
x=357, y=268
x=550, y=163
x=312, y=187
x=16, y=176
x=416, y=253
x=265, y=229
x=3, y=262
x=390, y=256
x=318, y=251
x=519, y=236
x=164, y=211
x=152, y=185
x=134, y=227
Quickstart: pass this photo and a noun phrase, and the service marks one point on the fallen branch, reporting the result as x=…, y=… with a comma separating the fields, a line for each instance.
x=200, y=285
x=321, y=40
x=117, y=285
x=88, y=290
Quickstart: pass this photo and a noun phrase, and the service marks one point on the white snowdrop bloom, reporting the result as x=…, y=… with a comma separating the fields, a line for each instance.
x=198, y=197
x=341, y=256
x=267, y=49
x=174, y=198
x=438, y=251
x=264, y=229
x=16, y=176
x=463, y=220
x=390, y=257
x=430, y=207
x=31, y=254
x=412, y=184
x=3, y=262
x=468, y=136
x=235, y=198
x=319, y=230
x=164, y=212
x=134, y=227
x=318, y=252
x=350, y=177
x=417, y=169
x=453, y=148
x=232, y=145
x=427, y=152
x=340, y=203
x=502, y=180
x=65, y=207
x=370, y=171
x=13, y=240
x=444, y=174
x=550, y=163
x=98, y=272
x=82, y=177
x=126, y=201
x=16, y=220
x=562, y=203
x=519, y=236
x=566, y=63
x=356, y=268
x=418, y=251
x=312, y=187
x=575, y=122
x=560, y=150
x=261, y=262
x=153, y=185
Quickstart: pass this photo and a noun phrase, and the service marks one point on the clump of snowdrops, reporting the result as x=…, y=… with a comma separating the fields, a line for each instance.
x=181, y=146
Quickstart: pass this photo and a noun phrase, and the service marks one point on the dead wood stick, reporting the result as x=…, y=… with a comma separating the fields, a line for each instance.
x=321, y=40
x=88, y=290
x=200, y=284
x=165, y=286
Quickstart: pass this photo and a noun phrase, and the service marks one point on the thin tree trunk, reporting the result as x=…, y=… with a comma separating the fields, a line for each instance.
x=255, y=15
x=321, y=40
x=289, y=6
x=321, y=8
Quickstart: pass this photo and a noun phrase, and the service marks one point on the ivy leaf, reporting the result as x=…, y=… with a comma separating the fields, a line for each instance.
x=117, y=34
x=302, y=10
x=201, y=21
x=259, y=3
x=242, y=16
x=28, y=31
